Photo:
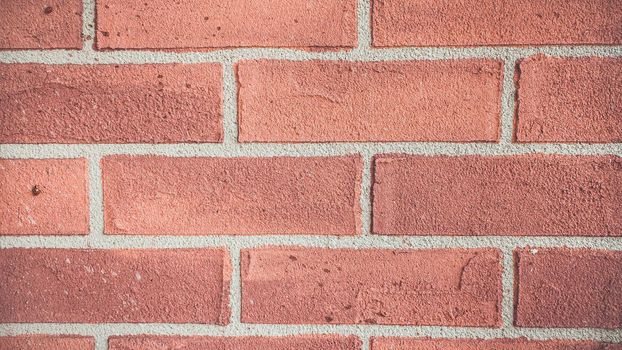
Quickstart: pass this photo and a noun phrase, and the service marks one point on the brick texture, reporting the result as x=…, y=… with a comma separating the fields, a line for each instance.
x=193, y=24
x=41, y=24
x=494, y=22
x=494, y=344
x=370, y=286
x=47, y=342
x=114, y=286
x=522, y=195
x=311, y=342
x=571, y=288
x=319, y=101
x=569, y=100
x=163, y=103
x=280, y=195
x=44, y=197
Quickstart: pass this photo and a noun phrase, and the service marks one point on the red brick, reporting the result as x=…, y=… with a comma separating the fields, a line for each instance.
x=191, y=24
x=571, y=288
x=311, y=342
x=41, y=24
x=490, y=22
x=114, y=286
x=459, y=287
x=197, y=196
x=569, y=100
x=317, y=101
x=47, y=342
x=155, y=103
x=44, y=197
x=494, y=344
x=524, y=195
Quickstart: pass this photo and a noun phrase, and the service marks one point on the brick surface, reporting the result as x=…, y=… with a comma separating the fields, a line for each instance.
x=317, y=101
x=493, y=22
x=569, y=100
x=494, y=344
x=193, y=24
x=163, y=103
x=41, y=24
x=370, y=286
x=44, y=197
x=114, y=286
x=571, y=288
x=194, y=196
x=311, y=342
x=498, y=195
x=47, y=342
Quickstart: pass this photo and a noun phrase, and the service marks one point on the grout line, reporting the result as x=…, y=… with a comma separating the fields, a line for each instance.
x=235, y=287
x=507, y=101
x=365, y=195
x=88, y=26
x=364, y=34
x=96, y=209
x=230, y=90
x=507, y=306
x=101, y=342
x=365, y=343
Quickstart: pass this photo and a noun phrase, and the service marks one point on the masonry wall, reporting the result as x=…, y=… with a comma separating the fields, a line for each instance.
x=327, y=174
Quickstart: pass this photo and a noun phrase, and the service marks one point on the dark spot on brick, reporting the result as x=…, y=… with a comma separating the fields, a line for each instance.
x=48, y=9
x=36, y=190
x=218, y=28
x=106, y=34
x=188, y=86
x=347, y=307
x=326, y=270
x=329, y=318
x=160, y=76
x=293, y=258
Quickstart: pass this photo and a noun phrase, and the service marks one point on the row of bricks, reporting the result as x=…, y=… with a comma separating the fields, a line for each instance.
x=554, y=287
x=520, y=195
x=304, y=342
x=320, y=24
x=558, y=100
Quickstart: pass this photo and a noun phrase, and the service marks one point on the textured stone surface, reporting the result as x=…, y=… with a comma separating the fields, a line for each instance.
x=494, y=344
x=159, y=103
x=44, y=197
x=496, y=22
x=114, y=286
x=195, y=196
x=569, y=99
x=316, y=101
x=47, y=342
x=560, y=287
x=498, y=195
x=41, y=24
x=196, y=24
x=451, y=287
x=311, y=342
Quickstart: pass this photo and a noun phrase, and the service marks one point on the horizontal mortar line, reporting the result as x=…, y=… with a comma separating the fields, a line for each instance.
x=300, y=149
x=357, y=242
x=287, y=330
x=358, y=54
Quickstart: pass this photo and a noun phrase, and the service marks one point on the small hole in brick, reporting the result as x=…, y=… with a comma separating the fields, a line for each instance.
x=106, y=34
x=36, y=190
x=48, y=9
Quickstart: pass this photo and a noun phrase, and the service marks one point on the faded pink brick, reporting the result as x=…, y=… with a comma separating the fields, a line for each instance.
x=491, y=344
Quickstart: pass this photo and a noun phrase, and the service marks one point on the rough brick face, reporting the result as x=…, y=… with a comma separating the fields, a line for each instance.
x=368, y=286
x=114, y=286
x=311, y=342
x=559, y=287
x=47, y=342
x=569, y=100
x=500, y=195
x=494, y=344
x=193, y=24
x=44, y=197
x=494, y=22
x=41, y=24
x=194, y=196
x=318, y=101
x=163, y=103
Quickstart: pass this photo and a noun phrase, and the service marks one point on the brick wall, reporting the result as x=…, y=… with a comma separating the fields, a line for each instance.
x=327, y=174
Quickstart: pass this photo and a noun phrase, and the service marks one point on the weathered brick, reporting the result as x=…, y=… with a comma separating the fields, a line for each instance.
x=493, y=22
x=571, y=288
x=47, y=342
x=114, y=286
x=524, y=195
x=492, y=344
x=318, y=101
x=40, y=24
x=150, y=103
x=569, y=100
x=451, y=287
x=44, y=197
x=197, y=196
x=191, y=24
